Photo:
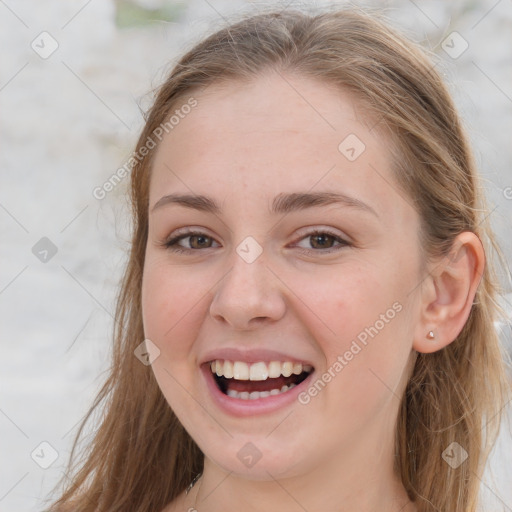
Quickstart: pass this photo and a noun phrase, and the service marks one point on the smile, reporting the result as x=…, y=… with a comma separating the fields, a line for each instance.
x=244, y=381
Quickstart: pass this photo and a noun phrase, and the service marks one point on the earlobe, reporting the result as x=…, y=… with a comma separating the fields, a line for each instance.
x=448, y=294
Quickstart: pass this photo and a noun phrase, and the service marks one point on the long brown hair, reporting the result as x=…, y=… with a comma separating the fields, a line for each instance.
x=140, y=457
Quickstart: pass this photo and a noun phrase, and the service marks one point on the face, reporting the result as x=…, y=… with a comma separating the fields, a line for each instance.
x=292, y=280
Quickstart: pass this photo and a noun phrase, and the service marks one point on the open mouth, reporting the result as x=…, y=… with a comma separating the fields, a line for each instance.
x=238, y=379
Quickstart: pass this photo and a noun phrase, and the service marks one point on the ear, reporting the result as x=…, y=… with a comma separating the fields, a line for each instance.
x=448, y=292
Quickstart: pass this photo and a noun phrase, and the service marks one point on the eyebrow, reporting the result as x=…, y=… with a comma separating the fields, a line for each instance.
x=282, y=203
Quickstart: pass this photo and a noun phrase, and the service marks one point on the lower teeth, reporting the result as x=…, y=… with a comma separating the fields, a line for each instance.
x=254, y=395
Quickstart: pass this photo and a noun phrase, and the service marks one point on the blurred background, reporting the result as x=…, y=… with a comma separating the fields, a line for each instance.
x=75, y=77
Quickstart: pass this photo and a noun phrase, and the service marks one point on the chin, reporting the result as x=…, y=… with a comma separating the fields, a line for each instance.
x=256, y=458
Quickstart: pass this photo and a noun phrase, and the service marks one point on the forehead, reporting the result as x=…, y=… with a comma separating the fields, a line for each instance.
x=277, y=132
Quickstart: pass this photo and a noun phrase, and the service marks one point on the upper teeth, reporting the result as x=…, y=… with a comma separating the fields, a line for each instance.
x=257, y=371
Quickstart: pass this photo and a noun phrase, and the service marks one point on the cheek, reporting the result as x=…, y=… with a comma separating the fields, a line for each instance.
x=346, y=301
x=358, y=317
x=171, y=306
x=171, y=312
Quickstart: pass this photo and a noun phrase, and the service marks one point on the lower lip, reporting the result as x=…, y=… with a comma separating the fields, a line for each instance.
x=240, y=407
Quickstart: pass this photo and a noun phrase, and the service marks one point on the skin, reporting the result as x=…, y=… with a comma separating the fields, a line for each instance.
x=242, y=145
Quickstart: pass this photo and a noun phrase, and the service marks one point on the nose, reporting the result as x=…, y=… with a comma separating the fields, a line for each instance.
x=249, y=294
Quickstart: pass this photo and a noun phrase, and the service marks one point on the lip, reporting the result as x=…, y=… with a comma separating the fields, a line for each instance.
x=250, y=356
x=243, y=408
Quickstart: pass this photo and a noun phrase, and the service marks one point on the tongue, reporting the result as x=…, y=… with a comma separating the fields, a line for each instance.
x=260, y=385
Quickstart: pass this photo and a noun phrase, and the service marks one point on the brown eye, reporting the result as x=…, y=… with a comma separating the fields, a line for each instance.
x=201, y=241
x=322, y=242
x=196, y=241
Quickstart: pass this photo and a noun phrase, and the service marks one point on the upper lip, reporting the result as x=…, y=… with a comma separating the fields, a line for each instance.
x=251, y=356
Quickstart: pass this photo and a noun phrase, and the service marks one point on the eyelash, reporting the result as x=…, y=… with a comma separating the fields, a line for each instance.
x=171, y=244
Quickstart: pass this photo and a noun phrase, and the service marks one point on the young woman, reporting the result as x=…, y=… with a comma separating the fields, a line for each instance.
x=306, y=318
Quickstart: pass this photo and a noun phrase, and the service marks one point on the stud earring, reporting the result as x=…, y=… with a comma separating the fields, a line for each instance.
x=431, y=335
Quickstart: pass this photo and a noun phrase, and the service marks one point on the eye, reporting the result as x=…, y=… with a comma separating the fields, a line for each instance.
x=323, y=241
x=196, y=239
